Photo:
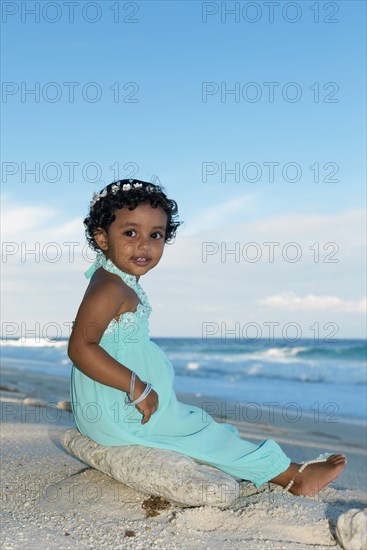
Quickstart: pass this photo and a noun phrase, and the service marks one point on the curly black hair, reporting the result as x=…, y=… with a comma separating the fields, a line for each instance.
x=128, y=193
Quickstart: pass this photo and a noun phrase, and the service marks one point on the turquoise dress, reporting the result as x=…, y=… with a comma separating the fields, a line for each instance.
x=101, y=414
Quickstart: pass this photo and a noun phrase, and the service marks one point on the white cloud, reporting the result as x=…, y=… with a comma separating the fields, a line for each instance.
x=186, y=291
x=18, y=221
x=209, y=309
x=311, y=302
x=36, y=224
x=221, y=214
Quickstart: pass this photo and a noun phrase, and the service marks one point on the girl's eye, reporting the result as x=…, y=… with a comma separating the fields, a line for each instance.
x=128, y=233
x=157, y=235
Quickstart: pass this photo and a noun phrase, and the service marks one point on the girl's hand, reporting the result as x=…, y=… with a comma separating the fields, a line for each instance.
x=149, y=405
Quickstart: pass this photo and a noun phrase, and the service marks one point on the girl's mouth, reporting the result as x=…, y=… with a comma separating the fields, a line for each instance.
x=140, y=260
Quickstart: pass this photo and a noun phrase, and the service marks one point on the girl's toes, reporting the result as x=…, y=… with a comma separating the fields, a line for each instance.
x=341, y=458
x=337, y=458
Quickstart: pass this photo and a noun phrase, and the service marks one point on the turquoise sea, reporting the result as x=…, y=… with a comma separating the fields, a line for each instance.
x=324, y=379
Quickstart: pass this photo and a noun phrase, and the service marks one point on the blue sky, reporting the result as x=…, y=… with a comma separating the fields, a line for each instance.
x=168, y=60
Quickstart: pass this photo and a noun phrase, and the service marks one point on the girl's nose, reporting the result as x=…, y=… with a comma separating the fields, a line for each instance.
x=143, y=243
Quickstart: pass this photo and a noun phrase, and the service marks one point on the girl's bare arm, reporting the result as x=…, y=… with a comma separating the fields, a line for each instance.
x=101, y=303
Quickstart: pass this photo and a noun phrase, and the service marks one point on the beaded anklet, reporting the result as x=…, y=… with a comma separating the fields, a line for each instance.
x=321, y=458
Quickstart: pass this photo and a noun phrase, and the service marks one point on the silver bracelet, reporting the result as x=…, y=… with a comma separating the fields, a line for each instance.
x=147, y=390
x=129, y=397
x=132, y=385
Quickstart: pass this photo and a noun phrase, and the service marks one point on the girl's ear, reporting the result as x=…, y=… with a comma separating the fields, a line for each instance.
x=100, y=236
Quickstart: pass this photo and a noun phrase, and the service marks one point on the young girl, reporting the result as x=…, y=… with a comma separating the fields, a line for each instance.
x=122, y=382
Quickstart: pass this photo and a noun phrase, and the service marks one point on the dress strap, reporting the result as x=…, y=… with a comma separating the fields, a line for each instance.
x=99, y=261
x=102, y=261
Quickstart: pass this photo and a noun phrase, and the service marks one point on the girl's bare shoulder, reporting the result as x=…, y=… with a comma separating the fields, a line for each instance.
x=104, y=298
x=110, y=291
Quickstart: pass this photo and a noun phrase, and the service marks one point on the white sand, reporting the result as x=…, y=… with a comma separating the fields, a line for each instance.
x=51, y=500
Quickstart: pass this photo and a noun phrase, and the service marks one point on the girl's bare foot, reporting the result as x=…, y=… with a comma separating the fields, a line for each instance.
x=314, y=477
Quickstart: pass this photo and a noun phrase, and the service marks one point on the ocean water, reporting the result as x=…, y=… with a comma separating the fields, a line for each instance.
x=324, y=379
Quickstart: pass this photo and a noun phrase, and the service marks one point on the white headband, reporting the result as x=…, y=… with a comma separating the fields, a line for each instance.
x=117, y=187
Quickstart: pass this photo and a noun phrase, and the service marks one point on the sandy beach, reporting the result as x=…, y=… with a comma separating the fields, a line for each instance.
x=52, y=500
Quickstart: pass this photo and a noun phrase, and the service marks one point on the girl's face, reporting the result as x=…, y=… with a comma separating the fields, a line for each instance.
x=134, y=242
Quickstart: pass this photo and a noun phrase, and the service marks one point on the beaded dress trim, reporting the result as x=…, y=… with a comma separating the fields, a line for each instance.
x=127, y=318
